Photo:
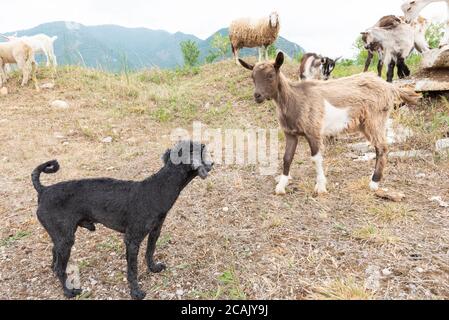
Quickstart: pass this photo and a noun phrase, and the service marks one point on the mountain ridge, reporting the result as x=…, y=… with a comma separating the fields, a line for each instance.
x=113, y=48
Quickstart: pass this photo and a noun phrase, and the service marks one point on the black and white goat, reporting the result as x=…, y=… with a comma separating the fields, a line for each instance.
x=316, y=67
x=393, y=40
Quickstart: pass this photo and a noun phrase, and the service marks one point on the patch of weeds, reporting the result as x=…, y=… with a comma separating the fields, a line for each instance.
x=6, y=242
x=86, y=295
x=83, y=264
x=111, y=244
x=163, y=241
x=230, y=286
x=373, y=234
x=391, y=212
x=342, y=289
x=161, y=115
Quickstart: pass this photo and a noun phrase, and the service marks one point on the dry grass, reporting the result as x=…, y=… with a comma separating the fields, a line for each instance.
x=342, y=289
x=263, y=246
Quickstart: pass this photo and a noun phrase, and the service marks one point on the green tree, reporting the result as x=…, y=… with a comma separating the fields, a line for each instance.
x=191, y=53
x=272, y=51
x=220, y=48
x=434, y=34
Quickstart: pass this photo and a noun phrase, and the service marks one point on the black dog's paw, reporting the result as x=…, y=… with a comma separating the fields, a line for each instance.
x=157, y=267
x=72, y=293
x=138, y=294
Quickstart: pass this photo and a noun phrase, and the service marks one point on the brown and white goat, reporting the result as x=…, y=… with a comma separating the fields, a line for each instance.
x=315, y=67
x=316, y=109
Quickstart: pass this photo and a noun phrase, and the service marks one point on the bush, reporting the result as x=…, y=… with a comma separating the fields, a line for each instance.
x=434, y=34
x=220, y=48
x=191, y=53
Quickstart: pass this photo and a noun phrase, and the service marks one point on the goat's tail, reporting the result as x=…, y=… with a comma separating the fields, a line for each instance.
x=48, y=168
x=409, y=96
x=53, y=39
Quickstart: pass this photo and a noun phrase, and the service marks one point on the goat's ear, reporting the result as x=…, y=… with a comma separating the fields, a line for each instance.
x=166, y=156
x=336, y=60
x=279, y=61
x=246, y=65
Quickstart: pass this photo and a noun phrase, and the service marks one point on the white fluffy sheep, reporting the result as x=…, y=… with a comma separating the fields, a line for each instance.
x=248, y=33
x=18, y=52
x=41, y=44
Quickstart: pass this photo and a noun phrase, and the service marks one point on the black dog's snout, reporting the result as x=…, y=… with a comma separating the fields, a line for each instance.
x=257, y=96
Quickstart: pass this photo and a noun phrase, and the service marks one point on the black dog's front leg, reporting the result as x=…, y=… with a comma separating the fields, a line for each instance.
x=152, y=240
x=132, y=251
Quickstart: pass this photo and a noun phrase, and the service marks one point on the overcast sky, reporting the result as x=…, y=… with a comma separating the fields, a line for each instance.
x=328, y=27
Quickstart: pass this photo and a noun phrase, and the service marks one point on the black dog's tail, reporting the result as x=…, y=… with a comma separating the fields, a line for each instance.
x=48, y=168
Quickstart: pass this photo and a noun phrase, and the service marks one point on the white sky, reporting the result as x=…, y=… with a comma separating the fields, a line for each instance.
x=328, y=27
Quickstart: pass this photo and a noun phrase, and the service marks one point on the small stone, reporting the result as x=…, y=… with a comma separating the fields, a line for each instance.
x=59, y=104
x=366, y=157
x=419, y=270
x=48, y=85
x=65, y=143
x=387, y=272
x=4, y=91
x=442, y=146
x=110, y=169
x=390, y=195
x=107, y=140
x=225, y=209
x=440, y=201
x=420, y=175
x=362, y=148
x=180, y=292
x=410, y=154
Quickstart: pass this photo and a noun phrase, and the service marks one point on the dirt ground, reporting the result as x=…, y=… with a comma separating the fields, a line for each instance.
x=228, y=237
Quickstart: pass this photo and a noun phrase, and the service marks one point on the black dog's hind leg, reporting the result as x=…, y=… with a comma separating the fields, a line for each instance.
x=132, y=251
x=152, y=240
x=62, y=249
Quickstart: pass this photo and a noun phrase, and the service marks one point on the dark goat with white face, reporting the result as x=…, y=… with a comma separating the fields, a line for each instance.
x=315, y=67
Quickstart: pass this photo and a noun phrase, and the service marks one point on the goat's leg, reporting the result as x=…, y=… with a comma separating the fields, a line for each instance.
x=316, y=147
x=380, y=64
x=369, y=59
x=290, y=149
x=381, y=162
x=390, y=73
x=132, y=251
x=26, y=68
x=266, y=53
x=152, y=240
x=260, y=54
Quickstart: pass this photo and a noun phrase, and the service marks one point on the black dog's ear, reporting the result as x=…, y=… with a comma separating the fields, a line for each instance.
x=166, y=156
x=279, y=61
x=246, y=65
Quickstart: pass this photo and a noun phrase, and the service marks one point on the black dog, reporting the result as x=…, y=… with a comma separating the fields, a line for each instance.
x=136, y=209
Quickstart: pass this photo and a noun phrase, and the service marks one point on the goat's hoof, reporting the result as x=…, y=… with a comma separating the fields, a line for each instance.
x=72, y=293
x=320, y=190
x=138, y=294
x=281, y=191
x=374, y=186
x=157, y=267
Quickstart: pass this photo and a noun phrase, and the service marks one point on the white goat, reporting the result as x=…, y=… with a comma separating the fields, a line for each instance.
x=41, y=44
x=18, y=52
x=412, y=8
